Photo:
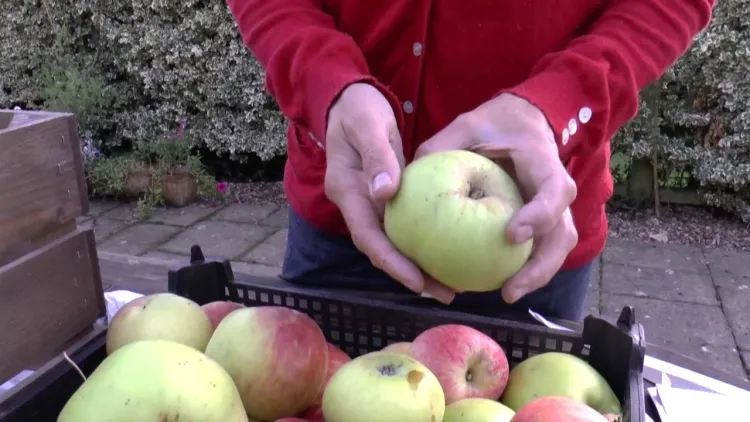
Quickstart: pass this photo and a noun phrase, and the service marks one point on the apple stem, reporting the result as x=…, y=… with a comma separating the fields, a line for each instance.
x=475, y=193
x=73, y=364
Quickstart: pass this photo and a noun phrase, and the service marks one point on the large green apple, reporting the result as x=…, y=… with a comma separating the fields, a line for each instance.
x=383, y=387
x=156, y=380
x=477, y=410
x=450, y=215
x=559, y=374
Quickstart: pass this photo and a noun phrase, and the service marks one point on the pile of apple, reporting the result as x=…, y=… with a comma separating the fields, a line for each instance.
x=171, y=360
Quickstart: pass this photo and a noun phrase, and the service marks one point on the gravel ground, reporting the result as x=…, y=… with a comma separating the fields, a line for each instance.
x=680, y=225
x=677, y=224
x=261, y=193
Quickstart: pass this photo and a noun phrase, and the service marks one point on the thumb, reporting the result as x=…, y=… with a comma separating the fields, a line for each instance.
x=382, y=161
x=457, y=135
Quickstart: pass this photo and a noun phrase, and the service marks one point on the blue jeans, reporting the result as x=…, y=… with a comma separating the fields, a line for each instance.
x=318, y=259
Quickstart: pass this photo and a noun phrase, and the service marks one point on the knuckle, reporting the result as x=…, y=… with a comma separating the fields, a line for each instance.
x=572, y=237
x=570, y=190
x=370, y=155
x=469, y=122
x=547, y=217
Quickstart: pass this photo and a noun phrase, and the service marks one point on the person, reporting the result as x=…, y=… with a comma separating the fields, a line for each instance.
x=368, y=86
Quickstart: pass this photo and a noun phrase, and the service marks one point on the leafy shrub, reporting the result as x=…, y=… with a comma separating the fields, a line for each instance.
x=157, y=62
x=699, y=121
x=133, y=69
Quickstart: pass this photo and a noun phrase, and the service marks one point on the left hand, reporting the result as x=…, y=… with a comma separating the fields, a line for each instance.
x=516, y=134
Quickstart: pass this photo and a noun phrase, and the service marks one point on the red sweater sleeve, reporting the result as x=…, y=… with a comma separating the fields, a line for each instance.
x=308, y=62
x=591, y=88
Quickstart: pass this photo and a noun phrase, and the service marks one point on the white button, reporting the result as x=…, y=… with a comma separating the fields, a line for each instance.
x=565, y=136
x=584, y=115
x=417, y=49
x=408, y=107
x=572, y=126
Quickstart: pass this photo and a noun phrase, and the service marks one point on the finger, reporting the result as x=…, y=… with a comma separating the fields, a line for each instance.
x=544, y=262
x=459, y=134
x=543, y=211
x=382, y=164
x=369, y=238
x=437, y=290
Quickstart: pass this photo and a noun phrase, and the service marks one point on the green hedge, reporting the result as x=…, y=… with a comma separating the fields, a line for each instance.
x=157, y=61
x=133, y=69
x=696, y=119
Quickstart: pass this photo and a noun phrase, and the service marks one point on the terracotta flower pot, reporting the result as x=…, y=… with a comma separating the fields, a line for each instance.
x=137, y=182
x=179, y=189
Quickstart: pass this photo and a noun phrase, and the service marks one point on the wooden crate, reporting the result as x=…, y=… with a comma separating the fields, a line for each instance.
x=50, y=283
x=42, y=187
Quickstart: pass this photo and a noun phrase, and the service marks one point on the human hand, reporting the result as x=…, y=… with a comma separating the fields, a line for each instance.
x=516, y=134
x=364, y=159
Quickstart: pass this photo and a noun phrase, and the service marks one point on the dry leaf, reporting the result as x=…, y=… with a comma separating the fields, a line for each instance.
x=659, y=237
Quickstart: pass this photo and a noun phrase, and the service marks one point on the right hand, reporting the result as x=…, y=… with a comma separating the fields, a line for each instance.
x=364, y=159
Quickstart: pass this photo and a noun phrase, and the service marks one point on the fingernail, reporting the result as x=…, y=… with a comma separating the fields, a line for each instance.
x=523, y=234
x=427, y=295
x=380, y=181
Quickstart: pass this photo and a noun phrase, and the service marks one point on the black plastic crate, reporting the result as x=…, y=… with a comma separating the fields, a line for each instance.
x=361, y=322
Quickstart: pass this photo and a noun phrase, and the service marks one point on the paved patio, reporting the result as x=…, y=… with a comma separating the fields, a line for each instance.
x=693, y=300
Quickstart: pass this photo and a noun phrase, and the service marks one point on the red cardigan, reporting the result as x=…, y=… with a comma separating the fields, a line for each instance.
x=581, y=62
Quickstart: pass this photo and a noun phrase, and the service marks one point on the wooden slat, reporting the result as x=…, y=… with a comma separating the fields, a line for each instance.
x=41, y=180
x=79, y=349
x=46, y=299
x=5, y=118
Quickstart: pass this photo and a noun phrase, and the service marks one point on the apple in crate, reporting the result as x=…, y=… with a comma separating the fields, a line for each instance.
x=277, y=356
x=336, y=359
x=558, y=409
x=216, y=311
x=559, y=374
x=477, y=410
x=383, y=387
x=156, y=380
x=467, y=362
x=163, y=316
x=314, y=414
x=450, y=215
x=400, y=347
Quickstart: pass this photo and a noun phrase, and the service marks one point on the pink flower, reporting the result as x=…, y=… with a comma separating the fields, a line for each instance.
x=222, y=187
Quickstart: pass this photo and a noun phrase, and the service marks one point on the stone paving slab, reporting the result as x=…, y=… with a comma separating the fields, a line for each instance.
x=258, y=270
x=728, y=262
x=592, y=303
x=280, y=218
x=655, y=255
x=737, y=309
x=695, y=330
x=182, y=217
x=218, y=238
x=657, y=283
x=245, y=213
x=124, y=212
x=732, y=282
x=271, y=251
x=105, y=228
x=138, y=239
x=97, y=208
x=172, y=259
